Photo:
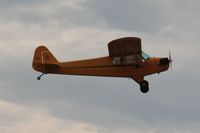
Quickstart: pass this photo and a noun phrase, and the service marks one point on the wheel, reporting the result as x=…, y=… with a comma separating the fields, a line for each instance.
x=144, y=86
x=38, y=78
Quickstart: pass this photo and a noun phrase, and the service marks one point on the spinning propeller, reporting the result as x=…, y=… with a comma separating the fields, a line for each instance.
x=170, y=59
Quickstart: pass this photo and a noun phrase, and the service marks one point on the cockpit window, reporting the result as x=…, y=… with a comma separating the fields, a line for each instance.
x=145, y=56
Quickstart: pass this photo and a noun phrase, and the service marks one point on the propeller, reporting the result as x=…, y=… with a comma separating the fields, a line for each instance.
x=170, y=59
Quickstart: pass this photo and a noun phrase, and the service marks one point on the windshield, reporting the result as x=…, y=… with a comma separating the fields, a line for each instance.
x=145, y=56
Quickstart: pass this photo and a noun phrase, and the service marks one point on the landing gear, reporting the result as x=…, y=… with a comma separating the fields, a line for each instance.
x=144, y=86
x=39, y=77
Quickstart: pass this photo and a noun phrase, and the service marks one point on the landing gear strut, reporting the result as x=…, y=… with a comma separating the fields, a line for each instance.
x=144, y=86
x=39, y=77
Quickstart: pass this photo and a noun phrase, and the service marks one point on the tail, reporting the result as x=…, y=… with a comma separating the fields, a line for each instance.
x=44, y=59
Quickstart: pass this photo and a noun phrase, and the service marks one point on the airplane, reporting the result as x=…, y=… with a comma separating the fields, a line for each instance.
x=125, y=59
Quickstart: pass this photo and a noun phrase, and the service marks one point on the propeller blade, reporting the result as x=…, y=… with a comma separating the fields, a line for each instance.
x=170, y=59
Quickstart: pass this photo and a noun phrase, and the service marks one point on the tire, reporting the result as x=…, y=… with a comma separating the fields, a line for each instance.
x=144, y=86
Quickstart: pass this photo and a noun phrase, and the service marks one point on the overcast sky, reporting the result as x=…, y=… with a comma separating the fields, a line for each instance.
x=80, y=29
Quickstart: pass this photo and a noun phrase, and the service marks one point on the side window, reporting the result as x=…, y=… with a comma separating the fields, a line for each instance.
x=128, y=60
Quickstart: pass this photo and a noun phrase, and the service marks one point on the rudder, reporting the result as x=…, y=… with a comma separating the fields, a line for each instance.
x=43, y=57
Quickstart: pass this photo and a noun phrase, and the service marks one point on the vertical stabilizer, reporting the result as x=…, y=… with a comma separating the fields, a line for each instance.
x=43, y=57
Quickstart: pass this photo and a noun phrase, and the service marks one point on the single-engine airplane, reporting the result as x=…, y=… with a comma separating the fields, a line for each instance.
x=126, y=59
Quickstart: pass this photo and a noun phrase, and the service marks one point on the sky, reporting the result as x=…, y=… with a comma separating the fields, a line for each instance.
x=81, y=29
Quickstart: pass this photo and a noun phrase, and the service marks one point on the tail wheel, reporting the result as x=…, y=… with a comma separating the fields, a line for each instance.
x=144, y=86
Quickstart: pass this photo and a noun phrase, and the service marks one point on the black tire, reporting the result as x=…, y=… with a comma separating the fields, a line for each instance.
x=144, y=86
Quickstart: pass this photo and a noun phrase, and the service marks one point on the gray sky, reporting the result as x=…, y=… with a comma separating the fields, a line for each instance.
x=79, y=29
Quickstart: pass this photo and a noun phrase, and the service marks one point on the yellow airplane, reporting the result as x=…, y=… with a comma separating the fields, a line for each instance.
x=126, y=59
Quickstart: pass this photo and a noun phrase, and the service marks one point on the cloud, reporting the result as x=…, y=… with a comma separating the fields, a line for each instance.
x=22, y=119
x=48, y=13
x=141, y=16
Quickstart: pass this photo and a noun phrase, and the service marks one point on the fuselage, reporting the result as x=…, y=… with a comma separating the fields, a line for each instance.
x=104, y=67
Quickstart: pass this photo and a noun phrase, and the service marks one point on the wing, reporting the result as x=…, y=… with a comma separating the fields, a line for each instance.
x=126, y=51
x=125, y=47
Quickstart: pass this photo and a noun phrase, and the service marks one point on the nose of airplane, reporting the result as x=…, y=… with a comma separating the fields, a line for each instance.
x=164, y=61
